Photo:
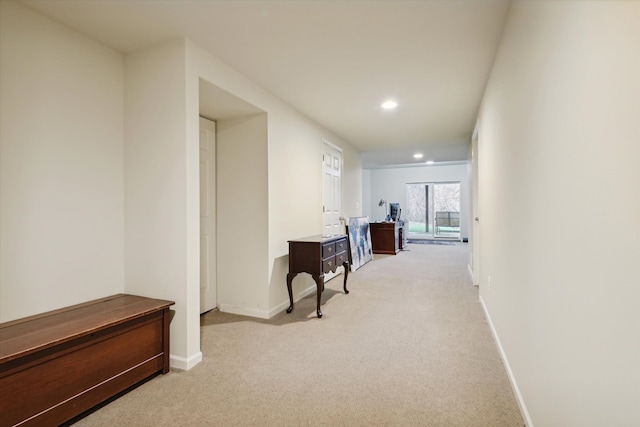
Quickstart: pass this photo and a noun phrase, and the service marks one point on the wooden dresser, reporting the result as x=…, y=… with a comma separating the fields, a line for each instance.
x=385, y=237
x=317, y=255
x=57, y=365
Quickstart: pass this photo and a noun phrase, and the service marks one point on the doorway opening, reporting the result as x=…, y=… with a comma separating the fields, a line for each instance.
x=226, y=128
x=433, y=210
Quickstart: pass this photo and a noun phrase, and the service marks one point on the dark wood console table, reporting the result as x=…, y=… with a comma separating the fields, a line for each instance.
x=385, y=237
x=57, y=365
x=317, y=255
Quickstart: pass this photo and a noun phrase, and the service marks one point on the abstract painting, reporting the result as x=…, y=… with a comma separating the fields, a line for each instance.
x=359, y=241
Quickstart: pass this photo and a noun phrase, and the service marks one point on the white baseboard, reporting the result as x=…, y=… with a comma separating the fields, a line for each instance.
x=183, y=363
x=266, y=314
x=473, y=279
x=505, y=361
x=244, y=311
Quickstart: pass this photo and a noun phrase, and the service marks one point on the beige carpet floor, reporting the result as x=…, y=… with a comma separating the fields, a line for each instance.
x=408, y=346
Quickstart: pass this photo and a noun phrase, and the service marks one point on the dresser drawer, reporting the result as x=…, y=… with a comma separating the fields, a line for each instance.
x=328, y=264
x=341, y=258
x=333, y=248
x=329, y=250
x=333, y=262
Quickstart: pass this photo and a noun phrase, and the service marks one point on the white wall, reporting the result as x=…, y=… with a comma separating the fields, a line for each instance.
x=156, y=188
x=296, y=196
x=352, y=199
x=366, y=193
x=61, y=166
x=242, y=216
x=294, y=178
x=560, y=209
x=391, y=184
x=114, y=191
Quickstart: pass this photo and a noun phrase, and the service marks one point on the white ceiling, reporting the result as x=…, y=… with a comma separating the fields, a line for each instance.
x=335, y=61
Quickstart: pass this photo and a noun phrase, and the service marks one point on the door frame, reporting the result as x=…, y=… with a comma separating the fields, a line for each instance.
x=338, y=149
x=474, y=250
x=211, y=302
x=436, y=235
x=341, y=224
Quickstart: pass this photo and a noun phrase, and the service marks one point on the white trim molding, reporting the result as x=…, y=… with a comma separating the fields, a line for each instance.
x=331, y=144
x=244, y=311
x=185, y=363
x=512, y=379
x=473, y=281
x=476, y=130
x=266, y=314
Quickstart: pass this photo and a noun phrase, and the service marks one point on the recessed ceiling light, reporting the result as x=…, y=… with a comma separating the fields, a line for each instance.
x=429, y=162
x=418, y=156
x=389, y=105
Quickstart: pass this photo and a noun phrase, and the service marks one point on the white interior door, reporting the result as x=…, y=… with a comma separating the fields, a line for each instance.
x=208, y=291
x=475, y=224
x=331, y=171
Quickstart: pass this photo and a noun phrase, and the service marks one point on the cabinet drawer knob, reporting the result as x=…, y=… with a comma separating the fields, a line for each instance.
x=329, y=249
x=329, y=263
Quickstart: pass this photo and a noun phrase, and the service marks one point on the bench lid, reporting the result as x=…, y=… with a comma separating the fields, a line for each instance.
x=30, y=334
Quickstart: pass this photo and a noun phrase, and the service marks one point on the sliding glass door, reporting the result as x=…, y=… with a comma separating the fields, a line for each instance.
x=446, y=210
x=433, y=210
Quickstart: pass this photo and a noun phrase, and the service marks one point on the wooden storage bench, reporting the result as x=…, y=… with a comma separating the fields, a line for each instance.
x=57, y=365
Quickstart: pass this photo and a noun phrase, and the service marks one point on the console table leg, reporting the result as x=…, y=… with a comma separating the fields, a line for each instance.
x=346, y=274
x=290, y=277
x=320, y=284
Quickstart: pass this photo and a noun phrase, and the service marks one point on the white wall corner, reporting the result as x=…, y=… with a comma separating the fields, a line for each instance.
x=505, y=361
x=473, y=280
x=185, y=363
x=285, y=304
x=278, y=308
x=266, y=314
x=244, y=311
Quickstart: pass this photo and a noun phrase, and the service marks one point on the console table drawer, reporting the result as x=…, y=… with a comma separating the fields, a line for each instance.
x=328, y=264
x=333, y=262
x=328, y=250
x=341, y=246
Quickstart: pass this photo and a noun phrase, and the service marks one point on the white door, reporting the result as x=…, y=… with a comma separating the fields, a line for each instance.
x=475, y=224
x=207, y=215
x=331, y=171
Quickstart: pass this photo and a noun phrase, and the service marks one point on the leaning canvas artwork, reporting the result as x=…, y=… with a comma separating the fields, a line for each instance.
x=359, y=241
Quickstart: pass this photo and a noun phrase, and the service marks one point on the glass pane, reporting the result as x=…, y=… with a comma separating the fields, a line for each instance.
x=416, y=217
x=446, y=204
